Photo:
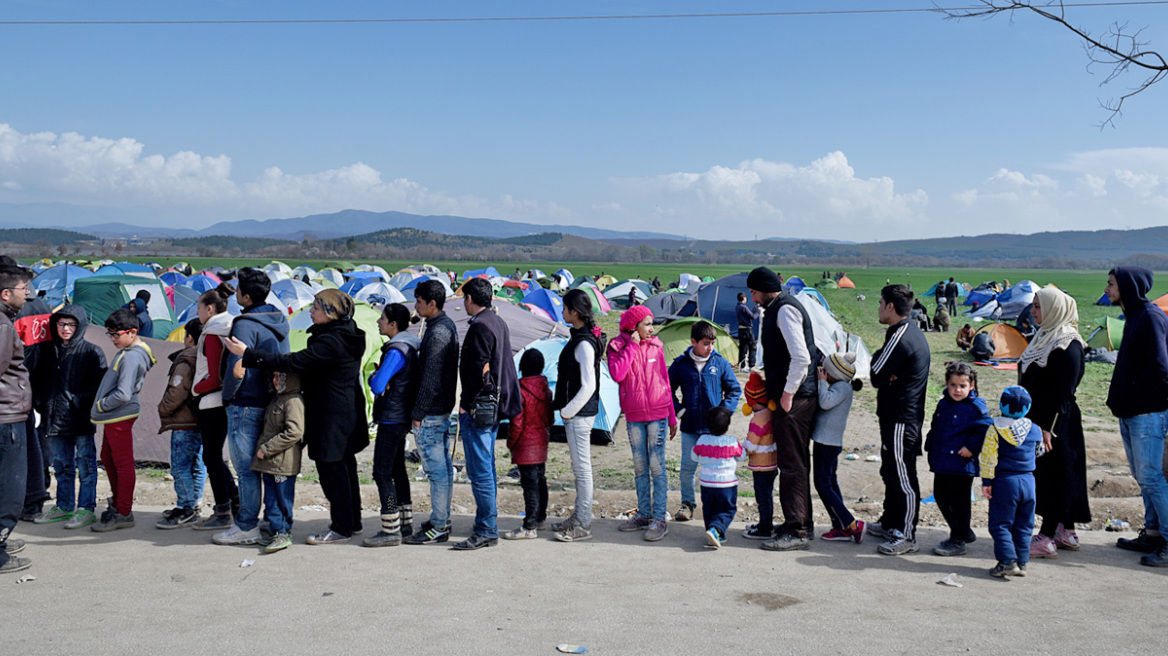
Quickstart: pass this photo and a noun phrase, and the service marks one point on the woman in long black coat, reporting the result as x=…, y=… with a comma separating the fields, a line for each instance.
x=1051, y=369
x=335, y=429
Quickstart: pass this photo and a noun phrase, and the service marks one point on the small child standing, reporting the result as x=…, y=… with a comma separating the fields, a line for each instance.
x=117, y=408
x=1011, y=446
x=955, y=437
x=278, y=457
x=762, y=456
x=718, y=455
x=837, y=385
x=528, y=442
x=176, y=413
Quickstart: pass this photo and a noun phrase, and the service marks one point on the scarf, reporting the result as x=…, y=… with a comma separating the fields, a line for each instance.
x=1060, y=327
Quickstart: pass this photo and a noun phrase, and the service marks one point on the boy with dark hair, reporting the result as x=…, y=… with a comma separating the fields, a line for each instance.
x=15, y=404
x=177, y=414
x=479, y=291
x=117, y=408
x=718, y=454
x=72, y=370
x=706, y=380
x=1007, y=477
x=138, y=305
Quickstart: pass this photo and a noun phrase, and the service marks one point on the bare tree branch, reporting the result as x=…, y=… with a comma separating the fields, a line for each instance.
x=1120, y=49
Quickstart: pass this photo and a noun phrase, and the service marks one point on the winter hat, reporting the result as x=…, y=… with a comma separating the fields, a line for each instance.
x=633, y=316
x=763, y=280
x=841, y=366
x=755, y=392
x=1015, y=402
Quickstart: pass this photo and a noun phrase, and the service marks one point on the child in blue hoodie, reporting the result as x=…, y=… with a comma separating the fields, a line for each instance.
x=1011, y=446
x=955, y=436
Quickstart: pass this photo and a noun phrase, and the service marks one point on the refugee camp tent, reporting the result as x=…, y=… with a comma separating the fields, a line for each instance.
x=234, y=309
x=565, y=278
x=370, y=268
x=181, y=298
x=1016, y=298
x=618, y=293
x=41, y=265
x=811, y=292
x=172, y=277
x=126, y=269
x=293, y=293
x=101, y=295
x=1008, y=341
x=57, y=282
x=987, y=291
x=523, y=326
x=201, y=282
x=355, y=284
x=675, y=340
x=846, y=283
x=365, y=275
x=1107, y=335
x=403, y=278
x=512, y=294
x=609, y=413
x=962, y=290
x=331, y=275
x=686, y=279
x=794, y=284
x=278, y=269
x=600, y=304
x=537, y=311
x=827, y=283
x=380, y=294
x=548, y=301
x=304, y=270
x=183, y=268
x=717, y=302
x=605, y=281
x=416, y=281
x=534, y=274
x=1104, y=300
x=366, y=319
x=489, y=272
x=325, y=283
x=988, y=310
x=667, y=305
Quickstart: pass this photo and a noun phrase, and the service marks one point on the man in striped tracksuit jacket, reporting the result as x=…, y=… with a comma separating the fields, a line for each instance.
x=900, y=374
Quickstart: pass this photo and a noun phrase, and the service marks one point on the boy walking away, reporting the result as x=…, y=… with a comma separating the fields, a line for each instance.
x=718, y=454
x=15, y=404
x=277, y=458
x=71, y=370
x=176, y=413
x=1007, y=476
x=528, y=441
x=117, y=408
x=837, y=385
x=706, y=380
x=762, y=457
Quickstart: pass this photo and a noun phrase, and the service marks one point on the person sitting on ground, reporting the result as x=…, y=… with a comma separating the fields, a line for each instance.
x=965, y=337
x=718, y=454
x=277, y=457
x=176, y=413
x=528, y=442
x=1007, y=477
x=941, y=319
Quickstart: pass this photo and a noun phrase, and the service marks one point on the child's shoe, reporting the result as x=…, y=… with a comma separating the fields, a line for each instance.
x=635, y=523
x=857, y=531
x=81, y=519
x=114, y=522
x=176, y=517
x=55, y=514
x=684, y=513
x=837, y=535
x=280, y=541
x=1064, y=539
x=753, y=532
x=1002, y=570
x=875, y=529
x=1042, y=547
x=1021, y=570
x=951, y=547
x=657, y=530
x=520, y=533
x=218, y=520
x=713, y=539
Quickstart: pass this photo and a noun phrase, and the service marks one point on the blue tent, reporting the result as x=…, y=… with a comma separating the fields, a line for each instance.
x=794, y=284
x=1103, y=300
x=200, y=283
x=546, y=300
x=125, y=269
x=962, y=292
x=609, y=392
x=566, y=274
x=981, y=297
x=57, y=282
x=717, y=302
x=367, y=275
x=811, y=291
x=357, y=283
x=184, y=297
x=490, y=272
x=172, y=278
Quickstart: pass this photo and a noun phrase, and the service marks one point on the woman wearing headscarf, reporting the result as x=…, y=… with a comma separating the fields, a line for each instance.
x=1050, y=369
x=335, y=428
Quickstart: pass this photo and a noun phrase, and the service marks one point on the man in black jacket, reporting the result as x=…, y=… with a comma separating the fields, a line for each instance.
x=900, y=374
x=747, y=348
x=1139, y=398
x=485, y=364
x=952, y=293
x=15, y=404
x=434, y=401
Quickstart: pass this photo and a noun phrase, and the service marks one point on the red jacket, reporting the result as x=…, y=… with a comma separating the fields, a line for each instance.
x=531, y=428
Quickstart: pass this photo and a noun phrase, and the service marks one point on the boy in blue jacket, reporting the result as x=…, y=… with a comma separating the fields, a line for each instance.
x=1011, y=446
x=955, y=437
x=706, y=380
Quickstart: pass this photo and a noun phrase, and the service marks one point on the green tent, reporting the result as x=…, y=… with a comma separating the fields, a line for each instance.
x=366, y=318
x=512, y=294
x=1108, y=335
x=101, y=295
x=826, y=283
x=675, y=338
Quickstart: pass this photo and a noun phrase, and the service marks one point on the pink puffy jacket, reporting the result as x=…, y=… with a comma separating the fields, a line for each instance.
x=643, y=376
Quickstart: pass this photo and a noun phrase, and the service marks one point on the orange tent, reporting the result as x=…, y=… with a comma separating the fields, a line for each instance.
x=1162, y=302
x=846, y=283
x=1008, y=341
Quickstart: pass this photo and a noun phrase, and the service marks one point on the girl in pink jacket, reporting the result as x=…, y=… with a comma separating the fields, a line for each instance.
x=636, y=362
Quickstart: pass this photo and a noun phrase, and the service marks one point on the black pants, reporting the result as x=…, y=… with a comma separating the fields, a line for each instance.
x=36, y=492
x=535, y=494
x=900, y=445
x=764, y=494
x=826, y=460
x=951, y=492
x=747, y=347
x=13, y=470
x=389, y=467
x=213, y=427
x=338, y=481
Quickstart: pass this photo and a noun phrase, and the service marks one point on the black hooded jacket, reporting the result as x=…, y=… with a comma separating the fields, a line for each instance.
x=71, y=373
x=1139, y=384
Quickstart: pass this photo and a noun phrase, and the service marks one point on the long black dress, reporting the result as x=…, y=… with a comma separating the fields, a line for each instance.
x=1060, y=476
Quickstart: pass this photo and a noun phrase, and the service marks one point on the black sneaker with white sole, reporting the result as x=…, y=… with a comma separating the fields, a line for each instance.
x=428, y=535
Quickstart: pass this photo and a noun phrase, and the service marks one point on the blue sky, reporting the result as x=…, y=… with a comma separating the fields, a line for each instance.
x=858, y=127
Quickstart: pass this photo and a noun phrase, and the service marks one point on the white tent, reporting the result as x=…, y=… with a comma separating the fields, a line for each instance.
x=278, y=267
x=687, y=279
x=332, y=275
x=1015, y=299
x=379, y=293
x=621, y=289
x=234, y=310
x=295, y=294
x=373, y=268
x=302, y=270
x=830, y=336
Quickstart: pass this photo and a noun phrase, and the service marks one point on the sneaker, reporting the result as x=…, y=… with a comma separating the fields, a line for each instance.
x=753, y=532
x=382, y=539
x=1042, y=547
x=219, y=520
x=858, y=532
x=1021, y=570
x=14, y=546
x=896, y=544
x=114, y=522
x=837, y=535
x=1158, y=559
x=1143, y=543
x=236, y=535
x=713, y=540
x=1002, y=570
x=81, y=519
x=280, y=541
x=15, y=564
x=575, y=532
x=428, y=535
x=55, y=514
x=1064, y=539
x=565, y=525
x=657, y=530
x=787, y=542
x=876, y=530
x=520, y=534
x=635, y=523
x=177, y=518
x=970, y=537
x=475, y=541
x=684, y=513
x=951, y=547
x=328, y=537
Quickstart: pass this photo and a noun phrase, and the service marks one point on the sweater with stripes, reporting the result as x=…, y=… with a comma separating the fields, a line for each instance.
x=718, y=457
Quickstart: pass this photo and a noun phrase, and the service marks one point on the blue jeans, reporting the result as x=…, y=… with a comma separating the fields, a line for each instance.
x=186, y=466
x=719, y=504
x=689, y=469
x=278, y=500
x=433, y=438
x=1143, y=440
x=647, y=440
x=13, y=471
x=479, y=445
x=75, y=457
x=244, y=426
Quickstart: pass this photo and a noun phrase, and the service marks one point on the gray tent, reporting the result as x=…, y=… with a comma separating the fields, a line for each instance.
x=667, y=305
x=524, y=326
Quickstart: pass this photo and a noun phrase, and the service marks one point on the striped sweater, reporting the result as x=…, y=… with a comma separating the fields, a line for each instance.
x=718, y=457
x=760, y=443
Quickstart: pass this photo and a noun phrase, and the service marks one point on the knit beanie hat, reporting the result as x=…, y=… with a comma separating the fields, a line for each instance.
x=755, y=392
x=633, y=316
x=841, y=366
x=1015, y=402
x=763, y=280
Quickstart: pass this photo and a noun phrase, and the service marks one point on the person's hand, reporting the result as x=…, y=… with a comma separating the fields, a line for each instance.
x=892, y=378
x=238, y=371
x=461, y=410
x=987, y=491
x=786, y=400
x=260, y=454
x=636, y=337
x=821, y=374
x=673, y=431
x=1047, y=441
x=234, y=346
x=965, y=453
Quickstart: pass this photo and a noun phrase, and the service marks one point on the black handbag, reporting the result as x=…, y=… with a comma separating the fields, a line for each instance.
x=485, y=410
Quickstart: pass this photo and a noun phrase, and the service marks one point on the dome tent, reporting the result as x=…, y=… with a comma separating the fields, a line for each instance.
x=610, y=411
x=717, y=301
x=675, y=340
x=101, y=295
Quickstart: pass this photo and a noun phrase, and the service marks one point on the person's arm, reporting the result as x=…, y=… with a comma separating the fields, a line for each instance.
x=393, y=363
x=178, y=391
x=1060, y=381
x=975, y=436
x=518, y=424
x=292, y=433
x=8, y=339
x=674, y=384
x=791, y=325
x=123, y=392
x=832, y=394
x=731, y=389
x=889, y=358
x=620, y=358
x=585, y=356
x=213, y=351
x=474, y=362
x=321, y=354
x=988, y=460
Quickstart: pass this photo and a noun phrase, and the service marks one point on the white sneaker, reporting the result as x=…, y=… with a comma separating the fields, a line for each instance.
x=236, y=535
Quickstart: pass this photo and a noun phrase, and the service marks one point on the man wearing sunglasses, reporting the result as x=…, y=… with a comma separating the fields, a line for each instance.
x=15, y=404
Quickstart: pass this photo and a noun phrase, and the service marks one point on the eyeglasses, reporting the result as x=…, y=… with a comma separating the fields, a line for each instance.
x=66, y=325
x=22, y=288
x=114, y=334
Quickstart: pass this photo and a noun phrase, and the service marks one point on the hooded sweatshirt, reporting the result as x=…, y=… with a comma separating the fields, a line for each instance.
x=145, y=323
x=1139, y=384
x=1010, y=448
x=283, y=436
x=117, y=397
x=71, y=373
x=262, y=328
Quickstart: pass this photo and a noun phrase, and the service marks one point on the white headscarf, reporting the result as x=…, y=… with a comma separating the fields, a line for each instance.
x=1060, y=327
